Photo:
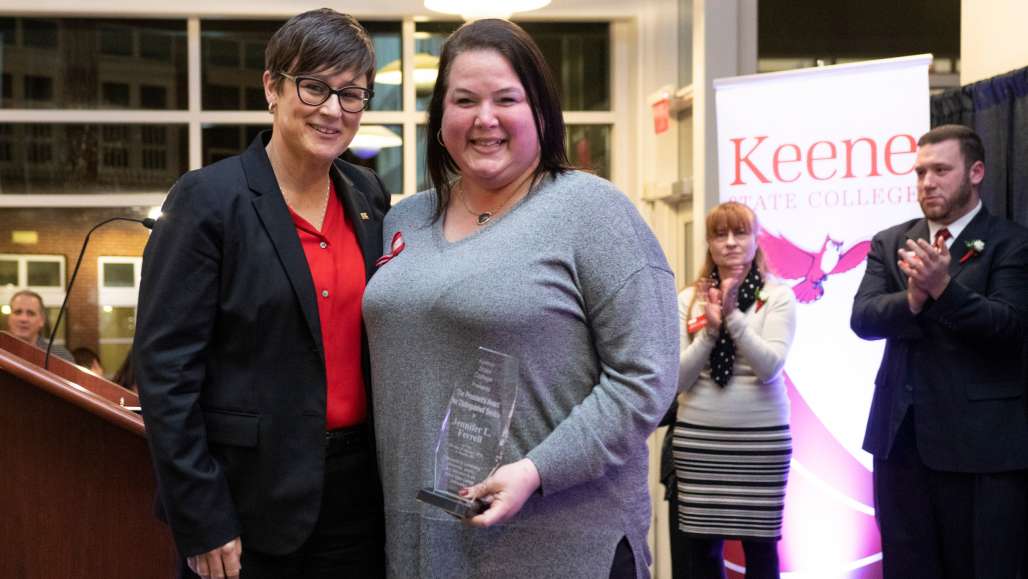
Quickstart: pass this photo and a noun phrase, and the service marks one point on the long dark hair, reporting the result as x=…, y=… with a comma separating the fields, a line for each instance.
x=515, y=45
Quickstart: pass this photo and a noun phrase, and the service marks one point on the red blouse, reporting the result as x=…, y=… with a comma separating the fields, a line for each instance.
x=337, y=268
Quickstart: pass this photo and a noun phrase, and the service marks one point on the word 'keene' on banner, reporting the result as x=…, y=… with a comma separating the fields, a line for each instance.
x=825, y=157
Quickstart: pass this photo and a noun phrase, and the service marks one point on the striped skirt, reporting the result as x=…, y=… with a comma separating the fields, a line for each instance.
x=731, y=481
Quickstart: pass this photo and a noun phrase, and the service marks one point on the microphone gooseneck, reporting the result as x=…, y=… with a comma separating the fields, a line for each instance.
x=147, y=222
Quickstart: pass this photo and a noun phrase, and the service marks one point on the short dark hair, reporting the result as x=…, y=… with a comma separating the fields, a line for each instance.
x=515, y=45
x=32, y=294
x=318, y=40
x=971, y=147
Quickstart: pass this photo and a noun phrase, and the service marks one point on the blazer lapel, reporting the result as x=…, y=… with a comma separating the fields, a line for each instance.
x=976, y=229
x=274, y=215
x=919, y=230
x=357, y=211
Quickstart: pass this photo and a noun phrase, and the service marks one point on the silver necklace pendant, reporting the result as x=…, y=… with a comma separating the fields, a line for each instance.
x=484, y=218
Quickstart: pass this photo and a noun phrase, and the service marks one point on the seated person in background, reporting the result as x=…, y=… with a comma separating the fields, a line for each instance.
x=126, y=376
x=88, y=359
x=28, y=320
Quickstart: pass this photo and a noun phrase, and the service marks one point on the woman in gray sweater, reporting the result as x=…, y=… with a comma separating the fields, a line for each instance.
x=515, y=252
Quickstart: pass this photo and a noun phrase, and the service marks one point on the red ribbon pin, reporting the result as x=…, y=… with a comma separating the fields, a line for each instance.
x=395, y=248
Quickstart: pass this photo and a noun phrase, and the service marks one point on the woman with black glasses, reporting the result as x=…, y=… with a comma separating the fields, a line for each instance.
x=250, y=346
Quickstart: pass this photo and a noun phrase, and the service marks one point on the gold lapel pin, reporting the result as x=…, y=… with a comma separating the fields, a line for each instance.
x=364, y=216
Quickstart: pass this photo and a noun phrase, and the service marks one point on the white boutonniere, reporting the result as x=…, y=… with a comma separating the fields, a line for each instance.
x=974, y=249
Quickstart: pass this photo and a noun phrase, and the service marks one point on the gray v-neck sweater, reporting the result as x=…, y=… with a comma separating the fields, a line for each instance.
x=573, y=284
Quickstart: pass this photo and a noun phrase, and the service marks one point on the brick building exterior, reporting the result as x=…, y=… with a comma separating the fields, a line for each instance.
x=61, y=232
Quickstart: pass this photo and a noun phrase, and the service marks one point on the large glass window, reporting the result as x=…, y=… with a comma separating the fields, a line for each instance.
x=8, y=272
x=36, y=272
x=379, y=147
x=80, y=63
x=221, y=141
x=8, y=29
x=75, y=68
x=578, y=54
x=92, y=158
x=118, y=294
x=588, y=148
x=43, y=273
x=142, y=65
x=428, y=46
x=233, y=63
x=422, y=144
x=388, y=51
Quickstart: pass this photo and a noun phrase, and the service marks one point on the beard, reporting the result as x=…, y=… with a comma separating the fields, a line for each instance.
x=951, y=209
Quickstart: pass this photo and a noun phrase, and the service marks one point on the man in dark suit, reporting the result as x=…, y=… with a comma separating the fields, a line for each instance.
x=948, y=427
x=251, y=357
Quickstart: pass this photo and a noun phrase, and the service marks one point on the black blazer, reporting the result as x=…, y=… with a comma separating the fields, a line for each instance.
x=229, y=354
x=959, y=362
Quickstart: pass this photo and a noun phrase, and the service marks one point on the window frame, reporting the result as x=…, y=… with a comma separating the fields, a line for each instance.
x=116, y=297
x=195, y=118
x=53, y=296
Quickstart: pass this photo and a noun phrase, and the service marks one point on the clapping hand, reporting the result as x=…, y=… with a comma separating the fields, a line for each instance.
x=730, y=294
x=712, y=311
x=927, y=269
x=723, y=301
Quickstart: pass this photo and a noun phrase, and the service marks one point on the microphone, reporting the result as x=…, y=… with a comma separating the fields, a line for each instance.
x=147, y=222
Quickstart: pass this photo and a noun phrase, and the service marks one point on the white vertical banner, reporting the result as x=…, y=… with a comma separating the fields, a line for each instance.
x=825, y=157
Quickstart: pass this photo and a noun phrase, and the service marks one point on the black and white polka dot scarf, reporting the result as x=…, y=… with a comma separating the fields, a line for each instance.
x=722, y=359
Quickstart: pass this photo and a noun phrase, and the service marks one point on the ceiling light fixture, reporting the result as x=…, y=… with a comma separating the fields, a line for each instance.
x=370, y=139
x=477, y=9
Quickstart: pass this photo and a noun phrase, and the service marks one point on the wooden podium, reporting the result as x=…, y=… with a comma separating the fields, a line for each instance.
x=76, y=483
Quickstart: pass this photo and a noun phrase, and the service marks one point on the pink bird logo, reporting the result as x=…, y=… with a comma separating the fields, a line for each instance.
x=788, y=261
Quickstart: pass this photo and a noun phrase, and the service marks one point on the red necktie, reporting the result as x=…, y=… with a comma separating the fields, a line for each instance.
x=943, y=235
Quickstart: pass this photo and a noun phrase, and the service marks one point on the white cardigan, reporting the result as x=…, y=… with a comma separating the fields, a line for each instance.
x=755, y=394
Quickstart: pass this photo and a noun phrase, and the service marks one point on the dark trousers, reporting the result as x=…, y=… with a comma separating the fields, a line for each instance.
x=349, y=537
x=679, y=540
x=623, y=566
x=706, y=558
x=947, y=525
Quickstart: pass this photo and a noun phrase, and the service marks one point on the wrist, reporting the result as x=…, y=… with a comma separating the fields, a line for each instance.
x=531, y=473
x=914, y=307
x=939, y=288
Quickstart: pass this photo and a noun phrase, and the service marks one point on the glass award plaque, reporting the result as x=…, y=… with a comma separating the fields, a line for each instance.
x=473, y=432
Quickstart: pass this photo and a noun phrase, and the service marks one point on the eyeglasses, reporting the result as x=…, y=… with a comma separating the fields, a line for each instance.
x=314, y=92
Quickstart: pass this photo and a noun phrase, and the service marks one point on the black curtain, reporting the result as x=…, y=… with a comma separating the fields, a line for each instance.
x=997, y=109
